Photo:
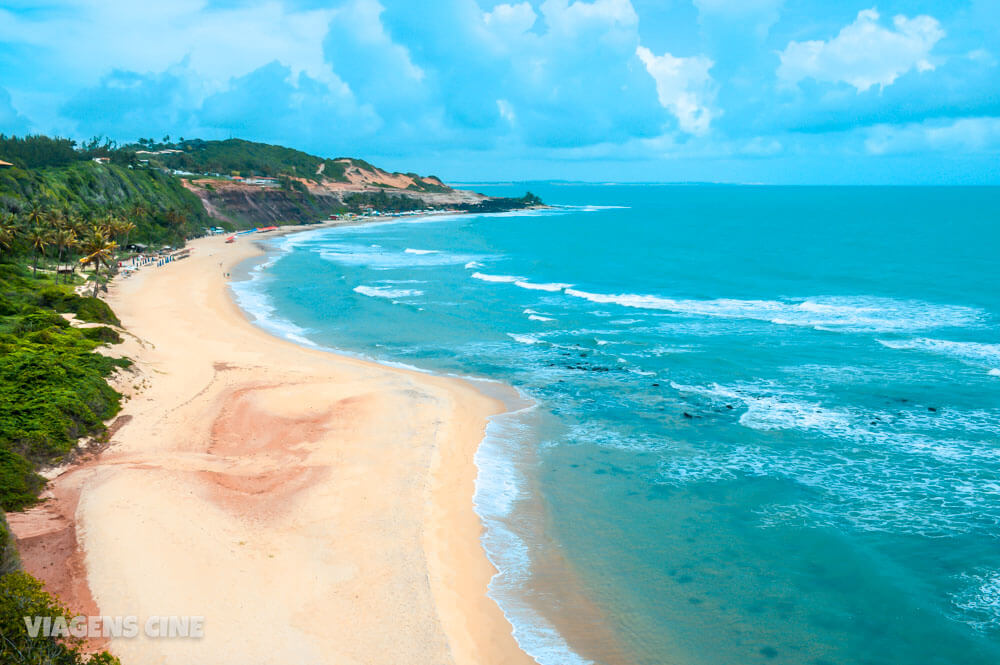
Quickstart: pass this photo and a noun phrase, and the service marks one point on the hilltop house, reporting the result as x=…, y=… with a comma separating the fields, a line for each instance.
x=102, y=160
x=5, y=165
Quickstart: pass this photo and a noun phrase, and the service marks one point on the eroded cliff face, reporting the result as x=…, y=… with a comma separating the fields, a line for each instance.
x=252, y=205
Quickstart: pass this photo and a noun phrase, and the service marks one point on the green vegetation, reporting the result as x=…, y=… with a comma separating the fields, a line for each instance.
x=244, y=158
x=21, y=595
x=33, y=152
x=382, y=201
x=502, y=204
x=52, y=384
x=9, y=560
x=83, y=193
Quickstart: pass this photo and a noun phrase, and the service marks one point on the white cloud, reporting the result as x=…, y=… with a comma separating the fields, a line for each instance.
x=864, y=53
x=90, y=38
x=684, y=87
x=509, y=20
x=506, y=111
x=574, y=17
x=965, y=135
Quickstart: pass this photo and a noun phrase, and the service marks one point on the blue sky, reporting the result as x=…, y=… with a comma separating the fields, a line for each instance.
x=775, y=91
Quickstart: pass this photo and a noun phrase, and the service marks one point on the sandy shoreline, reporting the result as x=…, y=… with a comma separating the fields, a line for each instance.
x=312, y=507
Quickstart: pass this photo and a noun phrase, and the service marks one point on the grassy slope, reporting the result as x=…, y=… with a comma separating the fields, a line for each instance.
x=88, y=186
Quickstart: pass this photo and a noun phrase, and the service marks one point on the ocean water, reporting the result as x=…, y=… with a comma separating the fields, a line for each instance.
x=762, y=425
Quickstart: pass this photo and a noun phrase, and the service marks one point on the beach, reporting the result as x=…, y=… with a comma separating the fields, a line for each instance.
x=311, y=507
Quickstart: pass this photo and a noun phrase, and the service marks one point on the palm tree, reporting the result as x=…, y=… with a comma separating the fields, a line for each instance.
x=55, y=219
x=98, y=250
x=36, y=215
x=63, y=238
x=123, y=227
x=109, y=223
x=39, y=238
x=76, y=223
x=8, y=231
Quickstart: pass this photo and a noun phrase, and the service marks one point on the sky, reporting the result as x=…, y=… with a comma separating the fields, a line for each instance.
x=741, y=91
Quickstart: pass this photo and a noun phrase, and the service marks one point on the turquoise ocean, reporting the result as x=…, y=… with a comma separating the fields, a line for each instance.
x=758, y=425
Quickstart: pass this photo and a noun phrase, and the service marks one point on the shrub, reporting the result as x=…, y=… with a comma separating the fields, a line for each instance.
x=19, y=484
x=94, y=310
x=40, y=320
x=21, y=595
x=102, y=334
x=9, y=560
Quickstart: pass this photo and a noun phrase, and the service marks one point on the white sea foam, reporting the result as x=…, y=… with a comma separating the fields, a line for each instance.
x=977, y=354
x=555, y=286
x=472, y=265
x=596, y=208
x=535, y=317
x=386, y=292
x=978, y=601
x=506, y=279
x=938, y=482
x=833, y=312
x=420, y=251
x=772, y=407
x=524, y=339
x=379, y=258
x=252, y=300
x=499, y=487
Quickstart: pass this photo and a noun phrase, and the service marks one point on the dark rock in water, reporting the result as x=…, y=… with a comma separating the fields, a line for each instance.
x=583, y=355
x=729, y=406
x=874, y=423
x=656, y=385
x=769, y=652
x=932, y=408
x=688, y=415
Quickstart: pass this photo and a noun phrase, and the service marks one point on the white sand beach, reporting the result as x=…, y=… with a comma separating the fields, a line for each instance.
x=314, y=508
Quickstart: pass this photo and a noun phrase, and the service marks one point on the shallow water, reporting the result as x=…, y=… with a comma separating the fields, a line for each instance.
x=768, y=419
